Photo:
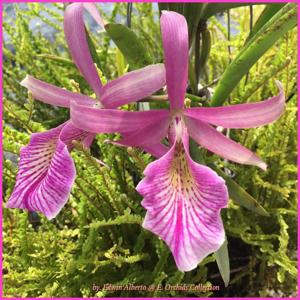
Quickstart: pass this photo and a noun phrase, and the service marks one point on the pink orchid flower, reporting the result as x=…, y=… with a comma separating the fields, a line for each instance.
x=46, y=169
x=183, y=199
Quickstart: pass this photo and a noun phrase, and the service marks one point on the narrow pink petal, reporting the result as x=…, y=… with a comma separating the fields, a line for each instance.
x=183, y=201
x=76, y=38
x=242, y=115
x=175, y=43
x=70, y=133
x=133, y=86
x=151, y=134
x=156, y=150
x=92, y=9
x=112, y=120
x=88, y=140
x=216, y=142
x=52, y=94
x=46, y=174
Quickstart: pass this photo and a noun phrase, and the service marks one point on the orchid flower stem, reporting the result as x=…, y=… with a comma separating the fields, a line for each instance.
x=155, y=98
x=192, y=76
x=197, y=55
x=212, y=83
x=195, y=98
x=129, y=11
x=205, y=49
x=165, y=98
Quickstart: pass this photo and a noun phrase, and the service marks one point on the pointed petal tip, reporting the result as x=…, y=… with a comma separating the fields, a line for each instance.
x=24, y=82
x=76, y=37
x=92, y=9
x=279, y=84
x=263, y=166
x=246, y=115
x=209, y=138
x=51, y=94
x=108, y=141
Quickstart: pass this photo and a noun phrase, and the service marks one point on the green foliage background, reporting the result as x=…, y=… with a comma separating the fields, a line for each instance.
x=98, y=238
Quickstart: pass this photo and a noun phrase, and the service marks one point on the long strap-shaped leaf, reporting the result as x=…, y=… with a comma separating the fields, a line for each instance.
x=132, y=48
x=263, y=40
x=222, y=259
x=239, y=195
x=269, y=11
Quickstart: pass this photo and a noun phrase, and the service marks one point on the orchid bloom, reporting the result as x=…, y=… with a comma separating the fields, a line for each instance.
x=183, y=199
x=46, y=169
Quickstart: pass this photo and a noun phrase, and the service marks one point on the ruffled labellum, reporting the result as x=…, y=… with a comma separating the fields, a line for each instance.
x=183, y=201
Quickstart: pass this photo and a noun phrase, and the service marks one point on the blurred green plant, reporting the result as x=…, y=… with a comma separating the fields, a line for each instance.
x=98, y=238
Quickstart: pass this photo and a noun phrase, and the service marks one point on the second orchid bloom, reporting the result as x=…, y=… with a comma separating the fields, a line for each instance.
x=46, y=169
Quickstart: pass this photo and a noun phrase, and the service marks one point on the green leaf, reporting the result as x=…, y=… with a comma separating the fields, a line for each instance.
x=195, y=152
x=129, y=44
x=93, y=51
x=214, y=8
x=269, y=11
x=222, y=259
x=239, y=195
x=263, y=40
x=120, y=61
x=192, y=13
x=205, y=49
x=192, y=77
